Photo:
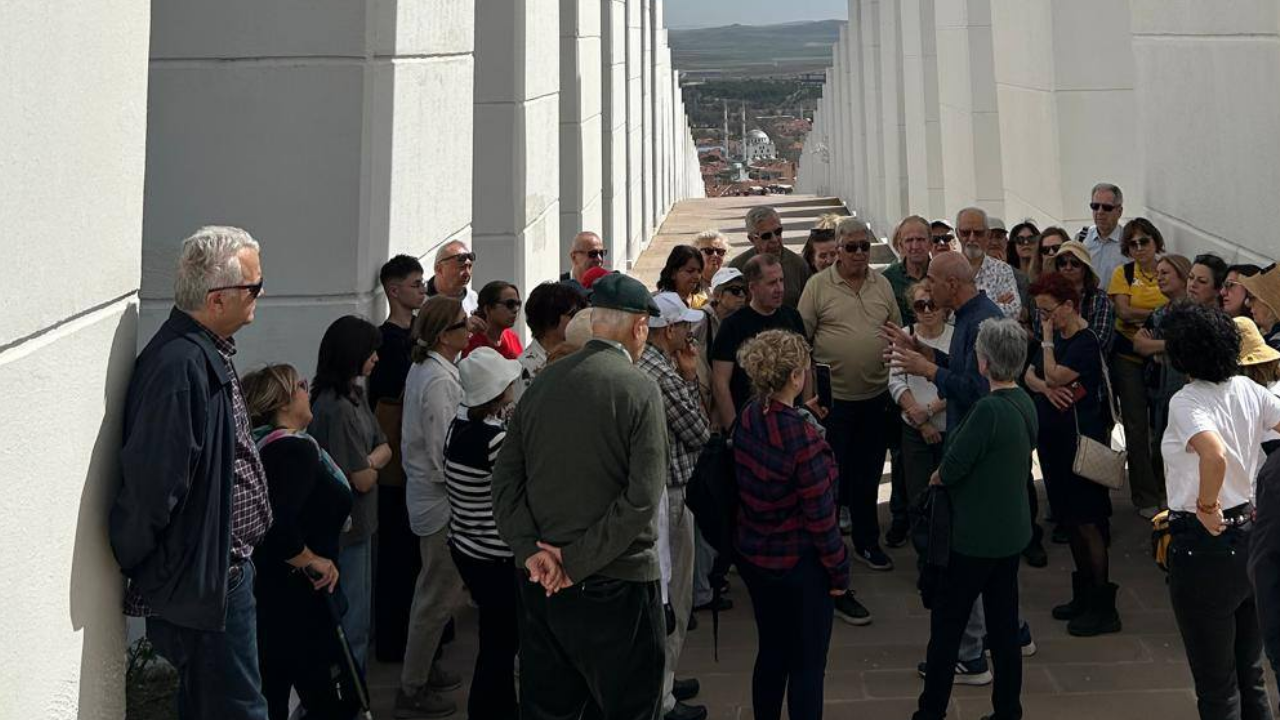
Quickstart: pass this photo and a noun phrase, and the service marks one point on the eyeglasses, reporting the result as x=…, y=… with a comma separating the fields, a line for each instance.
x=1228, y=284
x=456, y=326
x=736, y=290
x=923, y=306
x=594, y=254
x=1026, y=239
x=1046, y=312
x=1067, y=261
x=857, y=246
x=254, y=290
x=770, y=235
x=461, y=258
x=1140, y=242
x=1104, y=207
x=709, y=251
x=513, y=305
x=942, y=239
x=1049, y=250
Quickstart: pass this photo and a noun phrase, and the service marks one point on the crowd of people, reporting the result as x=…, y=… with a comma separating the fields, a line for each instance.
x=279, y=532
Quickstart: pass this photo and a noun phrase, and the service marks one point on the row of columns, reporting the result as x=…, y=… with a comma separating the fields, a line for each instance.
x=342, y=135
x=1021, y=106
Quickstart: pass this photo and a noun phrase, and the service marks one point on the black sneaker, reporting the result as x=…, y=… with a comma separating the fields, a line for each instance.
x=851, y=611
x=874, y=558
x=686, y=689
x=686, y=712
x=1035, y=555
x=972, y=672
x=897, y=535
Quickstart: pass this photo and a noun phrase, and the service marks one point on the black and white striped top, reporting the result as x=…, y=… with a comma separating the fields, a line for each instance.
x=470, y=450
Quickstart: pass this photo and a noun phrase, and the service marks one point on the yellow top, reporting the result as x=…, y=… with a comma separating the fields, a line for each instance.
x=1143, y=294
x=844, y=327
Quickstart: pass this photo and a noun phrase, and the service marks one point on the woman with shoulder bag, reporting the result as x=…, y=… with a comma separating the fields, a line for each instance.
x=310, y=501
x=1212, y=451
x=1065, y=380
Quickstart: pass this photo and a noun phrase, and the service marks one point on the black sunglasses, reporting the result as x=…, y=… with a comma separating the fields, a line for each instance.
x=594, y=254
x=736, y=290
x=513, y=305
x=770, y=235
x=923, y=306
x=456, y=326
x=1069, y=262
x=1026, y=239
x=1049, y=250
x=942, y=239
x=254, y=290
x=709, y=251
x=461, y=258
x=1140, y=242
x=855, y=246
x=1104, y=207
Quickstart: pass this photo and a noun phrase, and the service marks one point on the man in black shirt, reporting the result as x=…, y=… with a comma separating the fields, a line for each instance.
x=729, y=383
x=398, y=558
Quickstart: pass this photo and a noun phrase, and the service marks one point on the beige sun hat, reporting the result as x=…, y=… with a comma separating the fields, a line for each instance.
x=1253, y=349
x=1079, y=251
x=1265, y=286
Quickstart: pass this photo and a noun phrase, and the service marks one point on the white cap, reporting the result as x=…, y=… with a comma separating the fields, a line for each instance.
x=995, y=223
x=673, y=311
x=941, y=221
x=724, y=275
x=485, y=375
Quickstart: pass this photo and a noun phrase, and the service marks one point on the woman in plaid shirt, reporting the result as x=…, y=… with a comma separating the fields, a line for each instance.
x=790, y=552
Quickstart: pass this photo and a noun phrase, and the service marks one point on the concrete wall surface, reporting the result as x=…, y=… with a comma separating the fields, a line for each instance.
x=71, y=165
x=1022, y=106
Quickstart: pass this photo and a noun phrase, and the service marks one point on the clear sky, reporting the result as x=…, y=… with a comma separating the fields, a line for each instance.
x=712, y=13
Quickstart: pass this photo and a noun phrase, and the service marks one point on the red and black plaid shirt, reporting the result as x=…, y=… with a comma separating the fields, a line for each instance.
x=786, y=483
x=250, y=505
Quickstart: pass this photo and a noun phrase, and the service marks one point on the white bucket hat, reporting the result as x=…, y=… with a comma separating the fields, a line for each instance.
x=485, y=375
x=673, y=311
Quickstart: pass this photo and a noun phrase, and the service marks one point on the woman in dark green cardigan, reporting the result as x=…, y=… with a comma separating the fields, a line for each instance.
x=985, y=469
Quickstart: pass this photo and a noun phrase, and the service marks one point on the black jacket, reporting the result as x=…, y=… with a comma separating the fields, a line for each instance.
x=170, y=526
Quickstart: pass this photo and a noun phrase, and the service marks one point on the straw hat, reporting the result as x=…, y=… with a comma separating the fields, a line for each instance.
x=1265, y=286
x=1253, y=349
x=1079, y=251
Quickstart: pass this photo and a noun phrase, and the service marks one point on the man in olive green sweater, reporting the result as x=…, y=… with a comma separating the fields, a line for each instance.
x=576, y=490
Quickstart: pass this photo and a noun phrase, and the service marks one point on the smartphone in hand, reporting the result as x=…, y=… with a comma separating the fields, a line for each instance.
x=822, y=384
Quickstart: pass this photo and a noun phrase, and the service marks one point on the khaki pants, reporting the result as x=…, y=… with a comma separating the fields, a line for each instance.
x=680, y=591
x=437, y=594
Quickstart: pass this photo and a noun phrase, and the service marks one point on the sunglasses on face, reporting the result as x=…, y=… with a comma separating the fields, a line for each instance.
x=1104, y=207
x=709, y=251
x=461, y=258
x=457, y=326
x=513, y=305
x=736, y=290
x=770, y=235
x=921, y=306
x=1140, y=242
x=1049, y=250
x=1071, y=263
x=1025, y=239
x=254, y=290
x=594, y=254
x=942, y=240
x=857, y=246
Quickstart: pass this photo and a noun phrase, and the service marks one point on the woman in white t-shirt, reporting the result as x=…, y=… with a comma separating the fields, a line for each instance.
x=1212, y=450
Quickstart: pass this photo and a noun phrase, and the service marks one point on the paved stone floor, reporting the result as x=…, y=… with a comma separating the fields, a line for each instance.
x=1140, y=672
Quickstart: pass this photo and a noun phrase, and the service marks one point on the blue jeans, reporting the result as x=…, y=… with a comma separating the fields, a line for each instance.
x=356, y=566
x=217, y=671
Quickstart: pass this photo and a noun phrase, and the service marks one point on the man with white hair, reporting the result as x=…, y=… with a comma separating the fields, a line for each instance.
x=1103, y=239
x=764, y=230
x=993, y=277
x=588, y=251
x=193, y=502
x=453, y=266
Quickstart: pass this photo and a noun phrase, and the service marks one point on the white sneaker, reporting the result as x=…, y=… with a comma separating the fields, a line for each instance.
x=846, y=522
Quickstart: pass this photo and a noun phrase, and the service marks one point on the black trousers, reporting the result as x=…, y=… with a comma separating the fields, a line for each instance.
x=395, y=572
x=593, y=650
x=793, y=622
x=857, y=434
x=1214, y=604
x=493, y=587
x=996, y=580
x=297, y=648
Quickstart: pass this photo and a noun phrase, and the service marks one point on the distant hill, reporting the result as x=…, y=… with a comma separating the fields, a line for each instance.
x=755, y=50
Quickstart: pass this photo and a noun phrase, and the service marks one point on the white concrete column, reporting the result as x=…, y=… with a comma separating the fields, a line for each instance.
x=892, y=122
x=613, y=58
x=635, y=131
x=71, y=165
x=646, y=122
x=920, y=108
x=1208, y=109
x=832, y=90
x=331, y=131
x=873, y=115
x=855, y=125
x=970, y=122
x=1067, y=110
x=517, y=182
x=581, y=143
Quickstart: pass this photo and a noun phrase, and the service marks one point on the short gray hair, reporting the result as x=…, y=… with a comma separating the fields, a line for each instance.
x=706, y=237
x=851, y=226
x=443, y=251
x=986, y=222
x=607, y=321
x=759, y=214
x=1108, y=187
x=1002, y=343
x=210, y=259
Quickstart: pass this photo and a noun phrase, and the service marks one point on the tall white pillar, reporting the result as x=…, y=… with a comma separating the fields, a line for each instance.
x=646, y=122
x=635, y=130
x=892, y=122
x=872, y=113
x=581, y=142
x=970, y=121
x=920, y=108
x=855, y=126
x=613, y=58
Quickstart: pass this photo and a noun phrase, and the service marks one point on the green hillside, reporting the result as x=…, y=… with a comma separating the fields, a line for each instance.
x=755, y=50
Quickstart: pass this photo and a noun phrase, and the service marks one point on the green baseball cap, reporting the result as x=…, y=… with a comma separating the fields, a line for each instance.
x=621, y=292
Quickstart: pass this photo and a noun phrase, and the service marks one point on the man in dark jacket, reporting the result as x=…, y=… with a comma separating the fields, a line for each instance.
x=576, y=492
x=193, y=499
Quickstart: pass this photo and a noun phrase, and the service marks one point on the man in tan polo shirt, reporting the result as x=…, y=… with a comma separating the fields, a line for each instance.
x=843, y=308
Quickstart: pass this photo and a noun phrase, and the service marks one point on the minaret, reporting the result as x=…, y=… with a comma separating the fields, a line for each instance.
x=725, y=137
x=744, y=133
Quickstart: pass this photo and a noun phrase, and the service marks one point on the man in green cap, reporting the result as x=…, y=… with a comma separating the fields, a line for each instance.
x=576, y=491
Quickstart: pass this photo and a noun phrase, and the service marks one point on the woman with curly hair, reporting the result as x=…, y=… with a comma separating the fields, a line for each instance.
x=789, y=548
x=1212, y=450
x=1066, y=379
x=682, y=274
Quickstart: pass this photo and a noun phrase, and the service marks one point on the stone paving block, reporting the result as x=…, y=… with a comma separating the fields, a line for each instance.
x=1091, y=678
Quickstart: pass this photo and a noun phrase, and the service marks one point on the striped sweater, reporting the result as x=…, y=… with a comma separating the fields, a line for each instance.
x=470, y=450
